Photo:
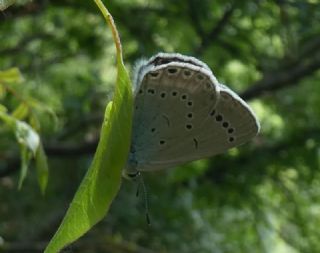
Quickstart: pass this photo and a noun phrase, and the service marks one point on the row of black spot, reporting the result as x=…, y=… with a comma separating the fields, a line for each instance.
x=172, y=71
x=186, y=73
x=163, y=95
x=225, y=124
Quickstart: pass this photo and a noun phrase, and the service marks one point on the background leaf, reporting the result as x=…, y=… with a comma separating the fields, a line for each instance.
x=25, y=160
x=11, y=75
x=21, y=111
x=42, y=168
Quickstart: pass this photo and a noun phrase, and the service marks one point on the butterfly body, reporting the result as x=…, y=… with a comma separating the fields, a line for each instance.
x=182, y=113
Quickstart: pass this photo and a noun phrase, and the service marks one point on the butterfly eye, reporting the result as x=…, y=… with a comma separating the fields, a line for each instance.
x=230, y=130
x=213, y=113
x=163, y=95
x=189, y=126
x=190, y=103
x=225, y=124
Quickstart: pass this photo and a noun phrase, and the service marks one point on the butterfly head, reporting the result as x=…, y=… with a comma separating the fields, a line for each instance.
x=130, y=172
x=130, y=175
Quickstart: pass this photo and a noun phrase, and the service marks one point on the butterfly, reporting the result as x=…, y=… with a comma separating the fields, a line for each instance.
x=182, y=113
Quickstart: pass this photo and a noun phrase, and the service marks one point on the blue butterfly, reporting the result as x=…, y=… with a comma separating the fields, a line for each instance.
x=182, y=113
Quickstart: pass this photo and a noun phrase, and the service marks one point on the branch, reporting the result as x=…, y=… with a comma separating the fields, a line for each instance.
x=62, y=150
x=283, y=78
x=71, y=149
x=192, y=6
x=208, y=39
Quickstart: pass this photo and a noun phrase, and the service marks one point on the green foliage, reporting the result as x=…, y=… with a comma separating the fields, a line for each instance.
x=261, y=197
x=26, y=136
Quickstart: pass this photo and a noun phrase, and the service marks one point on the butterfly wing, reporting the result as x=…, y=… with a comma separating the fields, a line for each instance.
x=182, y=114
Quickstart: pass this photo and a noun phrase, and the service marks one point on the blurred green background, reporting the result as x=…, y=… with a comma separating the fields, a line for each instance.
x=261, y=197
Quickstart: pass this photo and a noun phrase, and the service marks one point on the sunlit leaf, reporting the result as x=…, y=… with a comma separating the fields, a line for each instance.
x=8, y=119
x=40, y=106
x=3, y=108
x=102, y=181
x=3, y=91
x=27, y=136
x=11, y=75
x=34, y=122
x=108, y=111
x=21, y=111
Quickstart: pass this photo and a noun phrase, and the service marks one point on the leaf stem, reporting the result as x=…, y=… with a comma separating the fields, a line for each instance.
x=113, y=28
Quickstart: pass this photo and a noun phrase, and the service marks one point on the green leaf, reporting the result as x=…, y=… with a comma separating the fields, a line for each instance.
x=8, y=119
x=34, y=121
x=29, y=143
x=108, y=111
x=3, y=91
x=102, y=181
x=39, y=106
x=42, y=168
x=21, y=111
x=11, y=75
x=30, y=146
x=3, y=109
x=25, y=160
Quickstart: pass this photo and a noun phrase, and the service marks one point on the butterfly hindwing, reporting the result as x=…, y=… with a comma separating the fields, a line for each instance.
x=182, y=114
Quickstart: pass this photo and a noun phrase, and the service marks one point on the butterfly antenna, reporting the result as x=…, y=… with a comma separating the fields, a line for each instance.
x=145, y=199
